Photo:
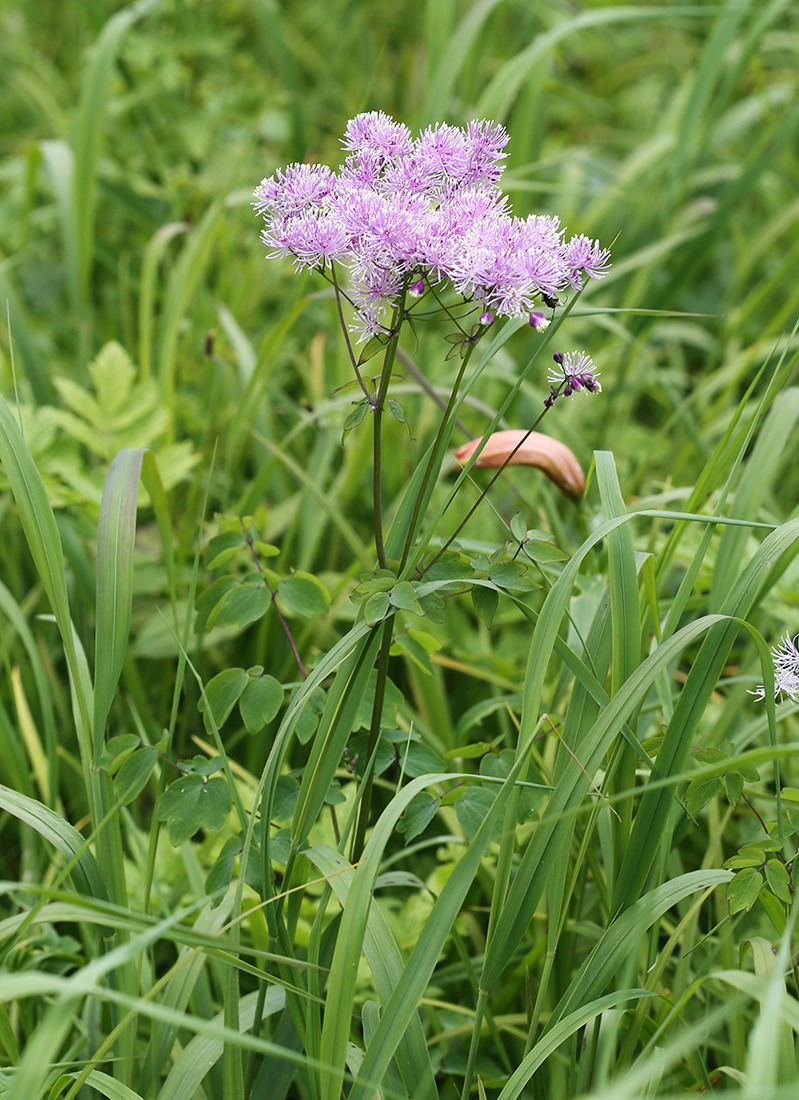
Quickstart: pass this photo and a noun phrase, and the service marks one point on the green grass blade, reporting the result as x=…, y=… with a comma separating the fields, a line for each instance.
x=623, y=575
x=560, y=1033
x=58, y=832
x=335, y=728
x=204, y=1051
x=115, y=537
x=626, y=632
x=14, y=614
x=419, y=968
x=702, y=679
x=610, y=953
x=153, y=254
x=498, y=97
x=761, y=468
x=109, y=1086
x=44, y=542
x=537, y=862
x=385, y=962
x=181, y=284
x=452, y=61
x=89, y=124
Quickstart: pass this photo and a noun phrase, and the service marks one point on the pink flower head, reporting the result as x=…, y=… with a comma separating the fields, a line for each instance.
x=427, y=208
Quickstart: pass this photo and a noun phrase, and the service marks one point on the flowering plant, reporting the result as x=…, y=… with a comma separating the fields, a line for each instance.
x=402, y=212
x=412, y=229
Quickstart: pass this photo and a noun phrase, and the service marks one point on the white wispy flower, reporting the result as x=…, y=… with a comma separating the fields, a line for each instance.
x=786, y=671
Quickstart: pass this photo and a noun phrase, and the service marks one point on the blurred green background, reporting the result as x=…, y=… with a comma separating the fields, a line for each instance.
x=131, y=140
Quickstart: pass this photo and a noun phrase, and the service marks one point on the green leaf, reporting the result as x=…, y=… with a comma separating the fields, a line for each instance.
x=354, y=419
x=359, y=750
x=699, y=793
x=392, y=699
x=204, y=765
x=743, y=890
x=132, y=777
x=518, y=526
x=285, y=799
x=545, y=553
x=309, y=719
x=486, y=601
x=469, y=752
x=382, y=581
x=117, y=750
x=209, y=600
x=403, y=596
x=305, y=594
x=418, y=759
x=245, y=603
x=451, y=566
x=472, y=809
x=735, y=785
x=778, y=879
x=221, y=873
x=260, y=701
x=775, y=911
x=373, y=347
x=397, y=410
x=223, y=692
x=417, y=646
x=511, y=575
x=376, y=608
x=191, y=803
x=222, y=548
x=280, y=846
x=433, y=606
x=419, y=813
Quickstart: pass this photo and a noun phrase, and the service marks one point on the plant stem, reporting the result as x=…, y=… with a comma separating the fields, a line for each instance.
x=434, y=454
x=485, y=491
x=251, y=543
x=374, y=734
x=378, y=403
x=353, y=360
x=475, y=1043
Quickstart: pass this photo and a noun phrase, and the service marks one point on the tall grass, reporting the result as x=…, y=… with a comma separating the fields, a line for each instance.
x=578, y=871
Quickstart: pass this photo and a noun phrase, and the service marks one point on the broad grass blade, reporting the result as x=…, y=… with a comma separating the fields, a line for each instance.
x=385, y=962
x=702, y=679
x=85, y=873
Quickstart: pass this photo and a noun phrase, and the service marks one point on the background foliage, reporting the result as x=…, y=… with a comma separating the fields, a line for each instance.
x=143, y=315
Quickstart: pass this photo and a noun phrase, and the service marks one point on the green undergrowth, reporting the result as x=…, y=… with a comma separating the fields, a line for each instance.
x=578, y=872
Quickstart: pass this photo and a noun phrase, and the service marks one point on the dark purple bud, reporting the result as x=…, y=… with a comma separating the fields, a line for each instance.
x=539, y=322
x=568, y=391
x=559, y=357
x=592, y=385
x=417, y=289
x=577, y=382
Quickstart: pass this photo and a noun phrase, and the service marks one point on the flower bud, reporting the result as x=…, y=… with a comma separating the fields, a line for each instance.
x=486, y=318
x=416, y=289
x=539, y=322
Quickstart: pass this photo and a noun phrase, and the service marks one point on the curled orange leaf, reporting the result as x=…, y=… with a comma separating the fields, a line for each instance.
x=551, y=456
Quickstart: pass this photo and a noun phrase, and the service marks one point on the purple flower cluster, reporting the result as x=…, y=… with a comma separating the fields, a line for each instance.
x=428, y=206
x=573, y=373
